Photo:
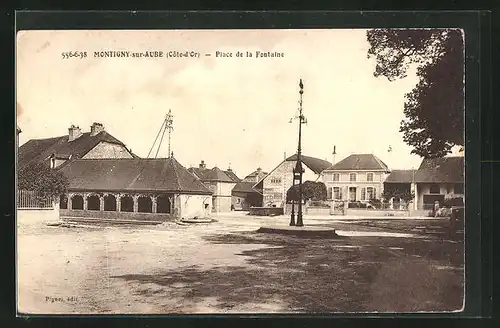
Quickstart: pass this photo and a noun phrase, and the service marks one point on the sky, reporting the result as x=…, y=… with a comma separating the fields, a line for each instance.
x=227, y=111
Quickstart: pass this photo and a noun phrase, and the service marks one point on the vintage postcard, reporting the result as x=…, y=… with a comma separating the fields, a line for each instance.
x=240, y=171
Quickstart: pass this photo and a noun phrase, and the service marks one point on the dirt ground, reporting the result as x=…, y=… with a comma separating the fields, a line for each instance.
x=226, y=267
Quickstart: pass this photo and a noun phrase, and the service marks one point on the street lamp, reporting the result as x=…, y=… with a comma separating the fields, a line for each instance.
x=298, y=169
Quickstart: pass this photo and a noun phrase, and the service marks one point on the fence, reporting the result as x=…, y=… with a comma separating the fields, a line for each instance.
x=31, y=199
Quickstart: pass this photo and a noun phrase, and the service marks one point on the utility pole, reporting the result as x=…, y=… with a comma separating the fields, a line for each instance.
x=169, y=124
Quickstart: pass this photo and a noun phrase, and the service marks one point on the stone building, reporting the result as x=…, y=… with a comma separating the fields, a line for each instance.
x=219, y=183
x=436, y=179
x=56, y=151
x=130, y=188
x=276, y=183
x=358, y=177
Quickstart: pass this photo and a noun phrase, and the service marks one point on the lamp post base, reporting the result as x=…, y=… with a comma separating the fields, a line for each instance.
x=292, y=220
x=299, y=223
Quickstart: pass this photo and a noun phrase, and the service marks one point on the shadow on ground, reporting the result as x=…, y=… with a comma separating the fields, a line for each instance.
x=323, y=275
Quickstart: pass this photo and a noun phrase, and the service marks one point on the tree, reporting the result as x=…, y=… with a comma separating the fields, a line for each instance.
x=403, y=195
x=434, y=109
x=41, y=178
x=310, y=191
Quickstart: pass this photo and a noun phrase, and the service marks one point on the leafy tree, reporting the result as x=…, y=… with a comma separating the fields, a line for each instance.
x=403, y=195
x=434, y=109
x=41, y=178
x=310, y=191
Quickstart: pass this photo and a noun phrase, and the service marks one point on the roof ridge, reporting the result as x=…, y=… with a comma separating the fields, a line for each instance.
x=175, y=172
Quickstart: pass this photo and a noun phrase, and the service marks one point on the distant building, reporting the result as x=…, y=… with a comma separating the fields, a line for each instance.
x=436, y=179
x=229, y=172
x=276, y=183
x=218, y=182
x=245, y=196
x=358, y=177
x=131, y=188
x=255, y=176
x=75, y=145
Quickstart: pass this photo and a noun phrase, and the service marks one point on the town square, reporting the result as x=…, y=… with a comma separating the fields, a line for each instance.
x=225, y=184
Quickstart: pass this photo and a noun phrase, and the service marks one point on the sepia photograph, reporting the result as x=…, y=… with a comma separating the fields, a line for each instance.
x=240, y=171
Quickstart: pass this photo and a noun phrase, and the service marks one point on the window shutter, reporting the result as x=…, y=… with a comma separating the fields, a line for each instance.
x=374, y=193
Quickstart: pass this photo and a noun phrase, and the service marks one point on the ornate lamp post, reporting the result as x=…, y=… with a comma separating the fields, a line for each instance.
x=298, y=170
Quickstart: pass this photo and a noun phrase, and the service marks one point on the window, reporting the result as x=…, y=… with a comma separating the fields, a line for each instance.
x=369, y=177
x=337, y=193
x=352, y=177
x=275, y=180
x=370, y=192
x=363, y=193
x=336, y=177
x=434, y=189
x=329, y=193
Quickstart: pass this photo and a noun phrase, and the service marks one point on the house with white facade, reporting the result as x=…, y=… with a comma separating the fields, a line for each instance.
x=276, y=183
x=219, y=183
x=358, y=177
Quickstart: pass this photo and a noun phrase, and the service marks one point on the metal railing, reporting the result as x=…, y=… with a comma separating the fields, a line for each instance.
x=33, y=199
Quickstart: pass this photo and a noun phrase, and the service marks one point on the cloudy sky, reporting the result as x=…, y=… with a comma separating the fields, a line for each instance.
x=226, y=110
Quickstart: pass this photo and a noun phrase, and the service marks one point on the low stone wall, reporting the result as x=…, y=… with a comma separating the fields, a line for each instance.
x=38, y=215
x=266, y=211
x=117, y=215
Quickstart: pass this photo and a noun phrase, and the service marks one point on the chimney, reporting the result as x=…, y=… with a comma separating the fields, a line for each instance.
x=74, y=132
x=96, y=128
x=259, y=170
x=203, y=165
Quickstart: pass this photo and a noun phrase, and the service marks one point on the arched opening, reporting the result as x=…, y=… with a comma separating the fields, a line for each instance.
x=63, y=202
x=109, y=203
x=127, y=204
x=144, y=205
x=93, y=203
x=163, y=204
x=77, y=202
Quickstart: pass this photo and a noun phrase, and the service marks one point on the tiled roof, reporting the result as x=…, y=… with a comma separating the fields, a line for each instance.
x=164, y=174
x=232, y=175
x=39, y=150
x=315, y=164
x=258, y=173
x=246, y=187
x=400, y=176
x=360, y=162
x=214, y=174
x=445, y=169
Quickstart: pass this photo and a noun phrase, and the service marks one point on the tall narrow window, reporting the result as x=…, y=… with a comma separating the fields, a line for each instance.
x=352, y=177
x=337, y=193
x=363, y=194
x=369, y=177
x=329, y=193
x=369, y=193
x=336, y=176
